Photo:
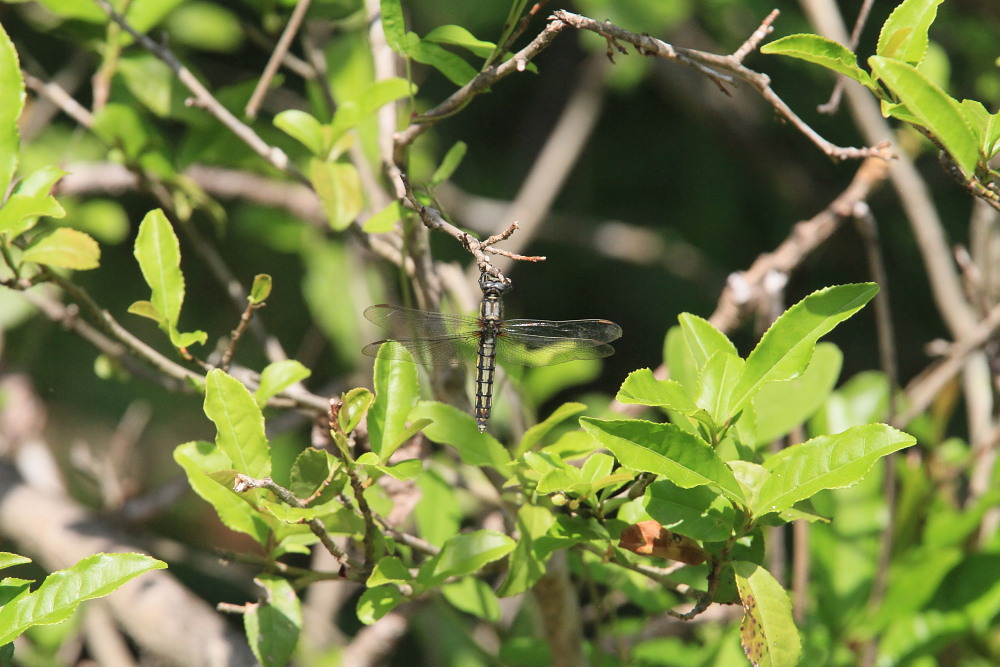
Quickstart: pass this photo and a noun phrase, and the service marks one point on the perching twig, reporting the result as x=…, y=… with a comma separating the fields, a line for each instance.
x=432, y=218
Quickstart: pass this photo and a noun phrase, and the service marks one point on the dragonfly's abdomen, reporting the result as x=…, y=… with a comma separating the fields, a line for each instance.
x=491, y=317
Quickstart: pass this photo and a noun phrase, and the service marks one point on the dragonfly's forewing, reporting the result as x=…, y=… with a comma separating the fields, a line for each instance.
x=432, y=339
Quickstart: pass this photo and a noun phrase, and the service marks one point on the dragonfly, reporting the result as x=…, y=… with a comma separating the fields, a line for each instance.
x=437, y=339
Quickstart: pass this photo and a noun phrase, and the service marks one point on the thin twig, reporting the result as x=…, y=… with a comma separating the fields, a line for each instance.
x=722, y=69
x=355, y=571
x=277, y=56
x=204, y=99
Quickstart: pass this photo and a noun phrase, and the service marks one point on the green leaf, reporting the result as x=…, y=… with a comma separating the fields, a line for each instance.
x=827, y=462
x=384, y=220
x=200, y=458
x=467, y=553
x=260, y=290
x=11, y=103
x=785, y=349
x=768, y=631
x=382, y=92
x=904, y=34
x=277, y=377
x=438, y=513
x=453, y=427
x=376, y=602
x=473, y=596
x=354, y=407
x=158, y=253
x=389, y=570
x=396, y=394
x=935, y=110
x=679, y=359
x=641, y=388
x=393, y=24
x=781, y=406
x=21, y=211
x=311, y=469
x=526, y=563
x=122, y=126
x=715, y=384
x=452, y=66
x=239, y=423
x=206, y=26
x=58, y=596
x=456, y=35
x=8, y=559
x=698, y=512
x=66, y=248
x=821, y=51
x=273, y=626
x=146, y=309
x=535, y=434
x=339, y=188
x=665, y=449
x=302, y=127
x=703, y=339
x=450, y=163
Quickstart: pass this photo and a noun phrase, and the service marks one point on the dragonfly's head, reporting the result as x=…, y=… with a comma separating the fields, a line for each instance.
x=491, y=285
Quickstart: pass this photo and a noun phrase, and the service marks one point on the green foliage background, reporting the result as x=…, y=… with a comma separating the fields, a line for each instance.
x=704, y=181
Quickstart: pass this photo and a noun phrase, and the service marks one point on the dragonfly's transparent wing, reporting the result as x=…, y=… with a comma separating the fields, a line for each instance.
x=544, y=343
x=432, y=339
x=602, y=331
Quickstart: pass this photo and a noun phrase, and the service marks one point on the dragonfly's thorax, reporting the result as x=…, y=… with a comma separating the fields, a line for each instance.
x=491, y=310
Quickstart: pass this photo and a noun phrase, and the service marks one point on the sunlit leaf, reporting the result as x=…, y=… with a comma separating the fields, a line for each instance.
x=66, y=248
x=664, y=449
x=396, y=394
x=781, y=406
x=58, y=596
x=277, y=377
x=821, y=51
x=785, y=349
x=827, y=462
x=904, y=34
x=467, y=553
x=11, y=103
x=768, y=631
x=239, y=423
x=450, y=163
x=937, y=111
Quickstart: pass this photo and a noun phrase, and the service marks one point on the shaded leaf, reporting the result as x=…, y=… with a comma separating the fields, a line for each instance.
x=273, y=626
x=376, y=602
x=450, y=163
x=698, y=512
x=467, y=553
x=339, y=188
x=456, y=428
